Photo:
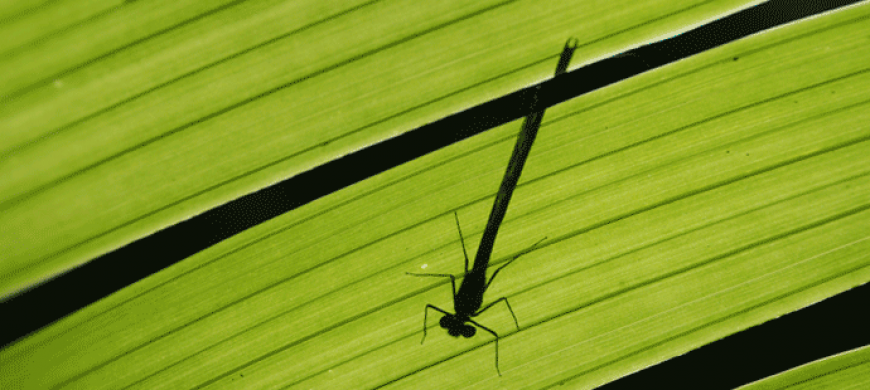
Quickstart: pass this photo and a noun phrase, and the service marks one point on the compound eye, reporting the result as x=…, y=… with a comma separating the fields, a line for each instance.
x=445, y=322
x=468, y=331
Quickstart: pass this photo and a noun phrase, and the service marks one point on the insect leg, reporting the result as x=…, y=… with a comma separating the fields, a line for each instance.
x=491, y=278
x=496, y=342
x=426, y=316
x=510, y=309
x=452, y=280
x=461, y=240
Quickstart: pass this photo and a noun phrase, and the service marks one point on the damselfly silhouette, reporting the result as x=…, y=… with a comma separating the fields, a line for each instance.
x=469, y=298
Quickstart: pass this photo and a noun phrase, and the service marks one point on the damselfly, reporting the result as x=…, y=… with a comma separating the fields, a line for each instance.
x=469, y=298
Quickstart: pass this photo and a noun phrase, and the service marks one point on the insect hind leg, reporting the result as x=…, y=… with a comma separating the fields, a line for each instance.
x=491, y=278
x=461, y=241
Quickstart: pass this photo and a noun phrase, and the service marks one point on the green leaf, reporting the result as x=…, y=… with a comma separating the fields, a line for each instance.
x=848, y=370
x=680, y=206
x=147, y=115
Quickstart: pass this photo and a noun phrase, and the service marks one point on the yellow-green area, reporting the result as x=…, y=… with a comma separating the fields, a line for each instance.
x=846, y=371
x=679, y=207
x=131, y=116
x=28, y=23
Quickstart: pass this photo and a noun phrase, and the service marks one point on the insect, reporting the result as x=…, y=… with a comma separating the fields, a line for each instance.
x=468, y=300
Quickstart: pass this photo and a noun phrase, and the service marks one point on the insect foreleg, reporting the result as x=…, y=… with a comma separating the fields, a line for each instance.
x=496, y=342
x=426, y=317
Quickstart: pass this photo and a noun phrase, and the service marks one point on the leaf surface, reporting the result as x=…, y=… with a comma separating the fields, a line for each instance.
x=680, y=206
